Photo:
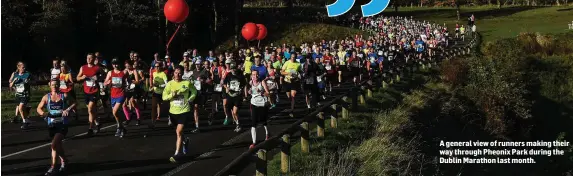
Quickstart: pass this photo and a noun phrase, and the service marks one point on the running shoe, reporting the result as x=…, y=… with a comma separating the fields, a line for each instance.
x=226, y=122
x=174, y=158
x=25, y=126
x=63, y=166
x=123, y=132
x=138, y=122
x=98, y=128
x=273, y=106
x=50, y=171
x=169, y=123
x=185, y=145
x=238, y=128
x=90, y=132
x=210, y=120
x=252, y=146
x=291, y=115
x=117, y=132
x=308, y=106
x=196, y=130
x=125, y=123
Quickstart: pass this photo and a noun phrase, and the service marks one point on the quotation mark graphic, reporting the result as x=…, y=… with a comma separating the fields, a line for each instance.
x=342, y=6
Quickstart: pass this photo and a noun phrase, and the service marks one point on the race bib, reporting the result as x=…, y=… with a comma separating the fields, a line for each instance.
x=360, y=55
x=258, y=101
x=328, y=67
x=90, y=82
x=234, y=86
x=20, y=88
x=115, y=82
x=319, y=78
x=179, y=100
x=101, y=88
x=218, y=88
x=63, y=85
x=197, y=84
x=309, y=80
x=56, y=120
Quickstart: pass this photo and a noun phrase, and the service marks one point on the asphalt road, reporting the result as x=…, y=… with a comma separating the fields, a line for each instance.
x=27, y=152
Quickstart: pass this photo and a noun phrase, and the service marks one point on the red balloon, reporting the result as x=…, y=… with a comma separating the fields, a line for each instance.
x=262, y=32
x=176, y=11
x=250, y=31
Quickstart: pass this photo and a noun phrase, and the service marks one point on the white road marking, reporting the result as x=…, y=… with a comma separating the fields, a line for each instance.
x=48, y=144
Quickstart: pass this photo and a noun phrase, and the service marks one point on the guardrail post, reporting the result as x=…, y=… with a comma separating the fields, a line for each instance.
x=304, y=137
x=320, y=125
x=355, y=94
x=333, y=116
x=369, y=93
x=261, y=163
x=345, y=110
x=285, y=154
x=397, y=77
x=361, y=97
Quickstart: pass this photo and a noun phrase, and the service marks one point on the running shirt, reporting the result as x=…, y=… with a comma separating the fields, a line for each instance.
x=200, y=86
x=235, y=84
x=180, y=103
x=419, y=46
x=117, y=84
x=217, y=77
x=248, y=64
x=56, y=109
x=129, y=85
x=159, y=81
x=91, y=82
x=187, y=75
x=354, y=62
x=258, y=97
x=293, y=68
x=65, y=86
x=54, y=73
x=262, y=70
x=329, y=64
x=271, y=81
x=21, y=84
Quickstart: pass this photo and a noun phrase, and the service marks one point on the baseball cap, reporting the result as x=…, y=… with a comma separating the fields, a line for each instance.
x=185, y=54
x=197, y=62
x=166, y=57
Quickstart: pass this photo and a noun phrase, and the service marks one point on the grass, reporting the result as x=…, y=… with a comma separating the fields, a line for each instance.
x=333, y=155
x=496, y=23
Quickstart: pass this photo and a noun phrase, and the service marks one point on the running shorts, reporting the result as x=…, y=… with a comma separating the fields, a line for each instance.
x=91, y=98
x=258, y=115
x=58, y=128
x=180, y=118
x=234, y=101
x=200, y=99
x=117, y=100
x=158, y=96
x=22, y=100
x=295, y=85
x=310, y=88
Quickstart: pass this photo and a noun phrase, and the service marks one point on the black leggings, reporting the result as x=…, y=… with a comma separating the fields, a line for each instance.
x=258, y=115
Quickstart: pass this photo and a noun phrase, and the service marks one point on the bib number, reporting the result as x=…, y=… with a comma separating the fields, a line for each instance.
x=56, y=120
x=63, y=85
x=20, y=88
x=218, y=88
x=115, y=82
x=328, y=67
x=179, y=100
x=90, y=83
x=319, y=79
x=197, y=84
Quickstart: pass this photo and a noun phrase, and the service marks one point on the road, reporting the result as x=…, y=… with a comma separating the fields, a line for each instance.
x=27, y=152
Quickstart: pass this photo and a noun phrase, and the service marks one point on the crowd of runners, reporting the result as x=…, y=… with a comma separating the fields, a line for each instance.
x=223, y=81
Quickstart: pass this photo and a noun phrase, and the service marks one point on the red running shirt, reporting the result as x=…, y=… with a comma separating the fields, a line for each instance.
x=117, y=80
x=90, y=83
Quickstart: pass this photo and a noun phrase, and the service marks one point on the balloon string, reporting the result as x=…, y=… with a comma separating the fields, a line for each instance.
x=173, y=36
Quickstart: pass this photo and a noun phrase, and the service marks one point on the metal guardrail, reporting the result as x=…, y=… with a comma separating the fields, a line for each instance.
x=282, y=139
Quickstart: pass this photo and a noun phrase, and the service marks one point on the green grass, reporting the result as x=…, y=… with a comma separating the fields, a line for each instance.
x=496, y=23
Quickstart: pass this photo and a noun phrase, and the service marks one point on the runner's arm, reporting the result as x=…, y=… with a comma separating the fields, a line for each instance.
x=107, y=79
x=138, y=76
x=168, y=94
x=12, y=80
x=192, y=93
x=41, y=105
x=80, y=76
x=71, y=101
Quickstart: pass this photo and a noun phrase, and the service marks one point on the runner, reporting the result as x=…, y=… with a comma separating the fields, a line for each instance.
x=217, y=72
x=259, y=109
x=248, y=64
x=179, y=93
x=132, y=85
x=199, y=79
x=89, y=74
x=55, y=70
x=341, y=64
x=158, y=83
x=310, y=87
x=291, y=72
x=20, y=82
x=224, y=95
x=354, y=67
x=234, y=83
x=58, y=106
x=115, y=79
x=67, y=85
x=103, y=91
x=330, y=66
x=272, y=84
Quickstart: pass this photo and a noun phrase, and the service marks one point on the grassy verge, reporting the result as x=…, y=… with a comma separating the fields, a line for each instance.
x=332, y=154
